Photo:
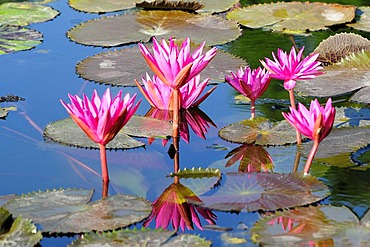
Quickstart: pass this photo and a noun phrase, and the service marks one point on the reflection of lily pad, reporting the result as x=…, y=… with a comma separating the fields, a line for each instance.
x=67, y=132
x=142, y=25
x=143, y=237
x=351, y=117
x=324, y=225
x=18, y=232
x=23, y=14
x=121, y=67
x=295, y=17
x=259, y=131
x=68, y=211
x=98, y=6
x=16, y=38
x=148, y=127
x=264, y=191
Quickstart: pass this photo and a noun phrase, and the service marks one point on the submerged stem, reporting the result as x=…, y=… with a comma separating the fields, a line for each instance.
x=103, y=161
x=311, y=156
x=253, y=114
x=292, y=104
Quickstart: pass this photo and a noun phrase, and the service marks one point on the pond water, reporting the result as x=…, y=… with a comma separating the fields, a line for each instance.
x=46, y=74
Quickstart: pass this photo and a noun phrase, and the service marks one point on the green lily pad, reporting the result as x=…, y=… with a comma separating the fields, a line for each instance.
x=4, y=111
x=259, y=131
x=67, y=132
x=136, y=237
x=264, y=191
x=143, y=25
x=362, y=19
x=197, y=173
x=97, y=6
x=294, y=17
x=122, y=67
x=4, y=199
x=324, y=225
x=17, y=232
x=17, y=38
x=24, y=14
x=67, y=211
x=148, y=127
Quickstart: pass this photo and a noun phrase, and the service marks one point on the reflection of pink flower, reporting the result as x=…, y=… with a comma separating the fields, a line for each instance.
x=315, y=123
x=291, y=67
x=287, y=224
x=252, y=83
x=171, y=64
x=198, y=121
x=253, y=158
x=101, y=119
x=159, y=95
x=172, y=207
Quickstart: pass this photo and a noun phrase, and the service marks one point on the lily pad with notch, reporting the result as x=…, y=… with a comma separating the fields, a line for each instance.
x=98, y=6
x=122, y=67
x=143, y=25
x=294, y=17
x=324, y=225
x=140, y=237
x=17, y=232
x=264, y=191
x=70, y=210
x=259, y=131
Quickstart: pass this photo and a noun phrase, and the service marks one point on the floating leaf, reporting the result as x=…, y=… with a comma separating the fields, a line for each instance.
x=24, y=14
x=348, y=75
x=259, y=131
x=148, y=127
x=197, y=173
x=323, y=225
x=68, y=211
x=11, y=98
x=121, y=67
x=4, y=199
x=295, y=17
x=264, y=191
x=362, y=19
x=339, y=46
x=67, y=132
x=170, y=5
x=98, y=6
x=16, y=38
x=17, y=232
x=143, y=25
x=135, y=237
x=340, y=141
x=4, y=111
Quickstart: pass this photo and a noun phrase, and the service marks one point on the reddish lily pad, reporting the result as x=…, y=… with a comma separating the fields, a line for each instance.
x=67, y=132
x=17, y=232
x=122, y=67
x=344, y=77
x=136, y=237
x=259, y=131
x=264, y=191
x=324, y=225
x=142, y=25
x=67, y=211
x=17, y=38
x=294, y=17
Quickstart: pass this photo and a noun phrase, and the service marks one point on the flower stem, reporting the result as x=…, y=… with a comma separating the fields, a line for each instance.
x=105, y=189
x=176, y=112
x=292, y=104
x=253, y=114
x=311, y=156
x=103, y=161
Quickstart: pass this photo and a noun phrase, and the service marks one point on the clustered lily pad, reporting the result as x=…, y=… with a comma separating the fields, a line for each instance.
x=143, y=25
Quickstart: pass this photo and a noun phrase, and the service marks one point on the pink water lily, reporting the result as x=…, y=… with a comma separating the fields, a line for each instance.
x=172, y=207
x=252, y=83
x=101, y=118
x=169, y=62
x=316, y=123
x=159, y=95
x=292, y=67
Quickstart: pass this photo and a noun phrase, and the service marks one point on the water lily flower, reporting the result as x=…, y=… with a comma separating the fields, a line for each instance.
x=160, y=96
x=315, y=123
x=101, y=118
x=175, y=66
x=172, y=207
x=291, y=67
x=252, y=83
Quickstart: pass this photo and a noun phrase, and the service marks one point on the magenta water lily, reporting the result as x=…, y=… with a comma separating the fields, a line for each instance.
x=101, y=118
x=316, y=123
x=252, y=83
